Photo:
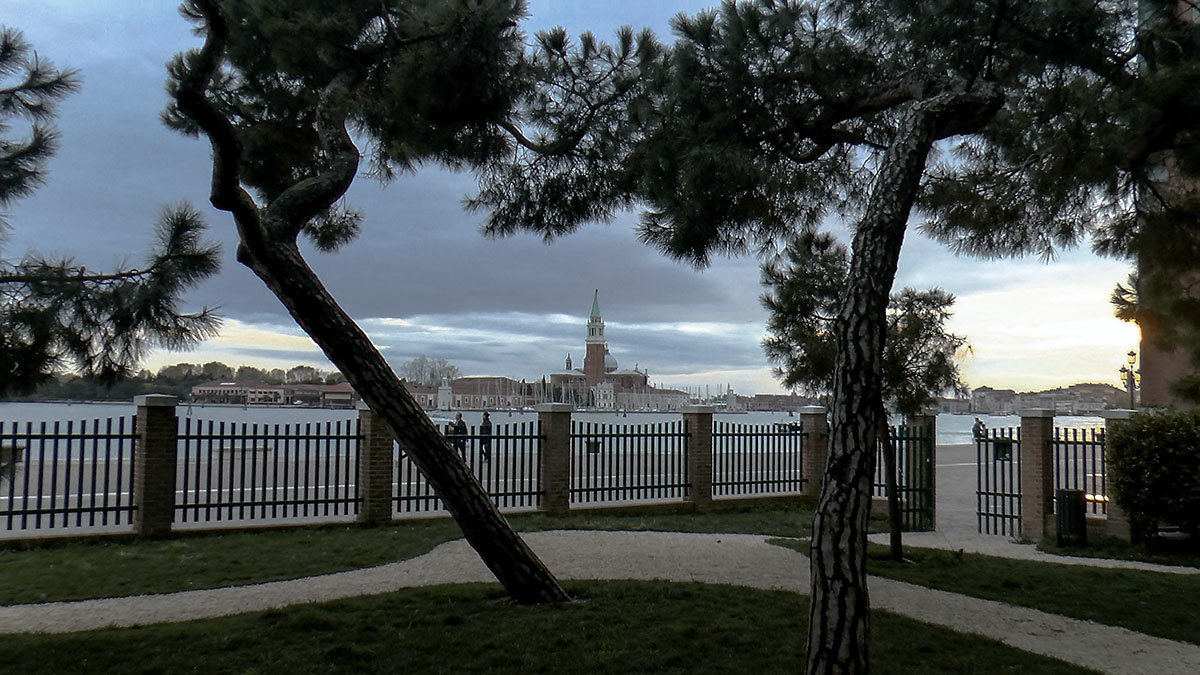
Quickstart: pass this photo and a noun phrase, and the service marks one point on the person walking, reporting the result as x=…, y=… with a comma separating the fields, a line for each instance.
x=485, y=437
x=460, y=434
x=979, y=430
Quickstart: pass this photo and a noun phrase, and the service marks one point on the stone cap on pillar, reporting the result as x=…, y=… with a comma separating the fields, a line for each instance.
x=155, y=401
x=1117, y=414
x=554, y=407
x=700, y=409
x=361, y=405
x=813, y=410
x=1036, y=412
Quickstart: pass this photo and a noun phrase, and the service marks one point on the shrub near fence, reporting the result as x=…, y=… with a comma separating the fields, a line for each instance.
x=110, y=477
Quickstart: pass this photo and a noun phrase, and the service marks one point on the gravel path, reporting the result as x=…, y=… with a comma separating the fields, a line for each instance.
x=745, y=560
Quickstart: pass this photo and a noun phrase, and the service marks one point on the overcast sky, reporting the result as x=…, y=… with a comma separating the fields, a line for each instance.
x=422, y=280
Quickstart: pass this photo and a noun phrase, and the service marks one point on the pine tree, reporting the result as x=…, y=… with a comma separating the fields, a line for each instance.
x=276, y=89
x=57, y=314
x=765, y=118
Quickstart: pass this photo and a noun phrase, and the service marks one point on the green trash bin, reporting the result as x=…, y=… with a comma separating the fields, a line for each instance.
x=1071, y=521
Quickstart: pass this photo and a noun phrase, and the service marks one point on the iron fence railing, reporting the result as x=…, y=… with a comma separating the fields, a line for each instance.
x=505, y=462
x=230, y=471
x=67, y=474
x=913, y=448
x=79, y=476
x=998, y=470
x=753, y=459
x=624, y=463
x=1079, y=465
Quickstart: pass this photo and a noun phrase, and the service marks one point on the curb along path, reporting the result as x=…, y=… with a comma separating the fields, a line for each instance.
x=743, y=560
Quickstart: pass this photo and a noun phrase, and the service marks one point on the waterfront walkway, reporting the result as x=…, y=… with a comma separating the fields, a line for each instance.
x=746, y=560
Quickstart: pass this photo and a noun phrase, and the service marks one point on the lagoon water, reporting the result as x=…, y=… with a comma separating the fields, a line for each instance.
x=951, y=429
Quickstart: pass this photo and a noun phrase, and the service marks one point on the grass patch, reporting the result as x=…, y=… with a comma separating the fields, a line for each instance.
x=102, y=568
x=1160, y=551
x=621, y=627
x=1154, y=603
x=790, y=519
x=99, y=568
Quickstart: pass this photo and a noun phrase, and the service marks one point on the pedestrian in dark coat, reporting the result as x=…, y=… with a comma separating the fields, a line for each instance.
x=485, y=437
x=460, y=434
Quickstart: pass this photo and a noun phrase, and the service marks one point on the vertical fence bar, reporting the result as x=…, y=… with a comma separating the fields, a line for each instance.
x=133, y=458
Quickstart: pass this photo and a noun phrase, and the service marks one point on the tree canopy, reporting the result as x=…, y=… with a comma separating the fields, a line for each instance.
x=277, y=89
x=805, y=285
x=55, y=313
x=427, y=371
x=1012, y=128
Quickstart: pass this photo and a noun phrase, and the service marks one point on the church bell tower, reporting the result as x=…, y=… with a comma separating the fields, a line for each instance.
x=593, y=358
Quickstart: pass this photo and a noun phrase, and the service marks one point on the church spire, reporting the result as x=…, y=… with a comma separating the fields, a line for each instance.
x=593, y=358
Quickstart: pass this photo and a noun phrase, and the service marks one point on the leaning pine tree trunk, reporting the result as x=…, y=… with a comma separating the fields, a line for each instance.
x=267, y=246
x=839, y=618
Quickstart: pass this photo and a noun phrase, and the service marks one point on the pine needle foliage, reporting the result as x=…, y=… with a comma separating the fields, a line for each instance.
x=56, y=314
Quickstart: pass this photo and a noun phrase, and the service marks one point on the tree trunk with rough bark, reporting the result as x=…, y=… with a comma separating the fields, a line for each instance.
x=515, y=565
x=267, y=246
x=839, y=617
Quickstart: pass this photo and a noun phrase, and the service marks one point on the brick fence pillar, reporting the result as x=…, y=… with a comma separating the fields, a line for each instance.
x=1118, y=521
x=1037, y=474
x=154, y=470
x=554, y=458
x=815, y=423
x=374, y=467
x=699, y=422
x=920, y=478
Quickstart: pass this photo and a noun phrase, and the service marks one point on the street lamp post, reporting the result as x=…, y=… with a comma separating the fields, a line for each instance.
x=1129, y=373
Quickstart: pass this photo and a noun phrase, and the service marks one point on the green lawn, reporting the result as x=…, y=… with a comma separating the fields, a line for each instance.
x=620, y=627
x=106, y=568
x=1154, y=603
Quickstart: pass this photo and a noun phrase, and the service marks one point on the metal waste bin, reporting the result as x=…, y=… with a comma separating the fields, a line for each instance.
x=1071, y=521
x=1002, y=448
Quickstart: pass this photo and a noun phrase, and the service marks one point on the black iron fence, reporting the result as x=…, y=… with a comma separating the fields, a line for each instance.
x=250, y=472
x=912, y=447
x=67, y=474
x=78, y=477
x=998, y=470
x=752, y=459
x=628, y=463
x=505, y=461
x=1079, y=465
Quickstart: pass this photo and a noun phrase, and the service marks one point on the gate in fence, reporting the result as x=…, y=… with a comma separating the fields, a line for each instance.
x=998, y=495
x=913, y=446
x=1079, y=465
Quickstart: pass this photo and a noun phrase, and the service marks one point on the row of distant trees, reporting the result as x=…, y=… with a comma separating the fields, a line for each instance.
x=179, y=378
